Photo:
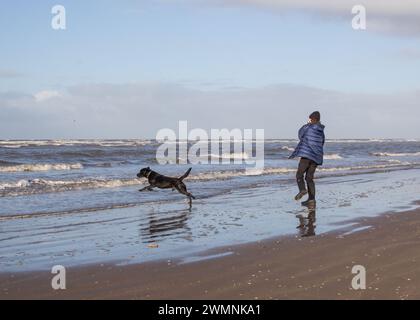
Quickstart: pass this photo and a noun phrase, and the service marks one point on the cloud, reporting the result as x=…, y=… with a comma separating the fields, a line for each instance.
x=387, y=16
x=140, y=110
x=46, y=95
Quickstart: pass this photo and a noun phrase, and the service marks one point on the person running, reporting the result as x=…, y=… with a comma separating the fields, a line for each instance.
x=311, y=152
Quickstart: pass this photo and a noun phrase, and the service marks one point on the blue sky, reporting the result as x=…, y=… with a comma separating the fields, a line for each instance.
x=202, y=46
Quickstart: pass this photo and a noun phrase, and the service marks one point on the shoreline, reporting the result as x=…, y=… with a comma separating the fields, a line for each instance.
x=287, y=267
x=242, y=216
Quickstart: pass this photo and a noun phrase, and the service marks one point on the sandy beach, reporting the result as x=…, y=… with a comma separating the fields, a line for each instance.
x=290, y=267
x=243, y=238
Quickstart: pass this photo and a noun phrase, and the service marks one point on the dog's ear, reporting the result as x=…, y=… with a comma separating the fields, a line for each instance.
x=148, y=168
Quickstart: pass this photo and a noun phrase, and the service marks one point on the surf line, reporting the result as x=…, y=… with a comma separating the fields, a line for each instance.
x=177, y=147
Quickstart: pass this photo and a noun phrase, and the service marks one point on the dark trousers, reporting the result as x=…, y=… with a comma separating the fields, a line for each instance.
x=306, y=172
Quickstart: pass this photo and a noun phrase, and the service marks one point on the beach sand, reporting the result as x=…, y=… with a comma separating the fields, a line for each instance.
x=289, y=267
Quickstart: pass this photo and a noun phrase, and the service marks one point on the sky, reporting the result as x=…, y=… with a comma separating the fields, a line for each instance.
x=126, y=69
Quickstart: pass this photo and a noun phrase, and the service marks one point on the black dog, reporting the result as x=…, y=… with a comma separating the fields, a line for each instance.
x=157, y=180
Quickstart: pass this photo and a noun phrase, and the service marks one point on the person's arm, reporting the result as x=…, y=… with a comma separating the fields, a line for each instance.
x=302, y=131
x=323, y=138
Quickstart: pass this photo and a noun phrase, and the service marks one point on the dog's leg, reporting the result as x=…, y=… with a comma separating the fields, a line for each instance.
x=183, y=189
x=187, y=193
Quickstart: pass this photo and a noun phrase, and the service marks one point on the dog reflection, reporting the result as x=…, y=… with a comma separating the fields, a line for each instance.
x=307, y=224
x=161, y=225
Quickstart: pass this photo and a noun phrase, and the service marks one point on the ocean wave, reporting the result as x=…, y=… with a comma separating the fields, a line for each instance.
x=231, y=156
x=370, y=140
x=332, y=157
x=212, y=156
x=143, y=142
x=4, y=163
x=388, y=154
x=57, y=143
x=287, y=148
x=395, y=161
x=12, y=146
x=229, y=174
x=36, y=186
x=369, y=167
x=40, y=167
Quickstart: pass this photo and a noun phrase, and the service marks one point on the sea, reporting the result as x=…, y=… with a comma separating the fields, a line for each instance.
x=77, y=201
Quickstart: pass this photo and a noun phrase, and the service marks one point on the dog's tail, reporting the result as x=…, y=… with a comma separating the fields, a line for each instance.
x=184, y=175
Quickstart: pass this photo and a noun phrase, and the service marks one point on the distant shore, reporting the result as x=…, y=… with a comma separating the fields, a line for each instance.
x=281, y=268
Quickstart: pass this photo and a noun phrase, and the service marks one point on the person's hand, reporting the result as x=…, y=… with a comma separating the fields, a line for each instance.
x=310, y=121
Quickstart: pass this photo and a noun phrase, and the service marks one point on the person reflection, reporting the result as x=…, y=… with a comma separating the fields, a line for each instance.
x=307, y=224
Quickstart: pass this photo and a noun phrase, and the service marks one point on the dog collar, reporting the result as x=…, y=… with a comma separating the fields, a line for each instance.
x=148, y=174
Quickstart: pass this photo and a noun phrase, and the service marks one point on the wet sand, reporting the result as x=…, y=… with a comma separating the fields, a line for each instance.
x=292, y=267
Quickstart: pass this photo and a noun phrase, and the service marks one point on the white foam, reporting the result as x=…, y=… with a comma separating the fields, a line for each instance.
x=388, y=154
x=370, y=140
x=287, y=148
x=394, y=161
x=228, y=174
x=332, y=157
x=18, y=184
x=97, y=142
x=22, y=187
x=231, y=156
x=41, y=167
x=376, y=166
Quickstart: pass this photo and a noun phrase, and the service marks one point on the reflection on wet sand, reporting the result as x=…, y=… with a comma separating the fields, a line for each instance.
x=307, y=224
x=165, y=225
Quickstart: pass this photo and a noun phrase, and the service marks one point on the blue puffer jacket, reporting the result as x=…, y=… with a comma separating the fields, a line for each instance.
x=311, y=143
